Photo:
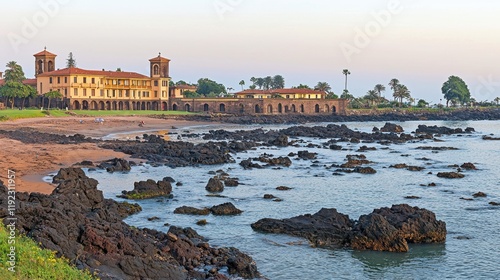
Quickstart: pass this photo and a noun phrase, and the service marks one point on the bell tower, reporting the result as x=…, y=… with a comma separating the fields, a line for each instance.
x=44, y=62
x=159, y=72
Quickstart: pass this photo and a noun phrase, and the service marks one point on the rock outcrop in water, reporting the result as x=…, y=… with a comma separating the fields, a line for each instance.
x=149, y=189
x=386, y=229
x=79, y=224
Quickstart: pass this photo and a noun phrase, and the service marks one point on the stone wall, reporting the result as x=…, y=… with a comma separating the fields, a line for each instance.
x=260, y=106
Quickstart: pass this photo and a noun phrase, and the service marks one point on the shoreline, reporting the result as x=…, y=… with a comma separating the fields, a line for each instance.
x=32, y=162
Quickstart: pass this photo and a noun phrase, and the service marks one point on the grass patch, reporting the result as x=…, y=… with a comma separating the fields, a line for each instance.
x=34, y=262
x=14, y=114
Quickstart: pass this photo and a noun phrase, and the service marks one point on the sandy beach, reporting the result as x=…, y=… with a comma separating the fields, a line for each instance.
x=32, y=162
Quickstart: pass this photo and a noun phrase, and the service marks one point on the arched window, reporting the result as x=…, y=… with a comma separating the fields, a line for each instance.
x=206, y=108
x=156, y=70
x=316, y=108
x=222, y=107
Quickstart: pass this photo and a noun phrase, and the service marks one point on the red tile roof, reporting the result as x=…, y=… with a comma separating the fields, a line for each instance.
x=281, y=91
x=159, y=59
x=44, y=52
x=30, y=82
x=79, y=71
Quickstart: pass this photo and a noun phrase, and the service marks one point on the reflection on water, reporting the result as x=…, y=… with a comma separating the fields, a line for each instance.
x=314, y=187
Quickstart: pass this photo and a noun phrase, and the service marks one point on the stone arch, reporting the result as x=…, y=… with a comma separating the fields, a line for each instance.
x=40, y=66
x=257, y=109
x=127, y=105
x=156, y=70
x=120, y=105
x=93, y=105
x=102, y=106
x=206, y=107
x=76, y=105
x=50, y=66
x=302, y=110
x=280, y=108
x=164, y=106
x=187, y=107
x=108, y=105
x=155, y=106
x=327, y=108
x=269, y=109
x=222, y=107
x=114, y=105
x=316, y=108
x=287, y=109
x=334, y=109
x=85, y=105
x=242, y=108
x=174, y=107
x=293, y=109
x=148, y=106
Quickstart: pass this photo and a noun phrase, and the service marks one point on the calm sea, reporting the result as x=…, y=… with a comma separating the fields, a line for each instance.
x=473, y=241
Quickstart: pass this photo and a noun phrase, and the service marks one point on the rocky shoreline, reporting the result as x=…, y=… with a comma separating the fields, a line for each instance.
x=353, y=116
x=79, y=224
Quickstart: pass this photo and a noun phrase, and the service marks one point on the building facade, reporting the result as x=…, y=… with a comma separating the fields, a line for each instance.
x=105, y=90
x=118, y=90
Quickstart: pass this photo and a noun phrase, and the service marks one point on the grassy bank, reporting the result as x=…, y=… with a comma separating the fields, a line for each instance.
x=33, y=262
x=14, y=114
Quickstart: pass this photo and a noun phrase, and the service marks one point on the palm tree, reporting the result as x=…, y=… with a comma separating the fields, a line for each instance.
x=497, y=100
x=379, y=88
x=52, y=94
x=402, y=92
x=372, y=96
x=346, y=72
x=323, y=86
x=394, y=85
x=242, y=83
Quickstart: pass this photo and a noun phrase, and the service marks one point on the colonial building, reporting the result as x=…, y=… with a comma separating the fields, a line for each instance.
x=105, y=90
x=118, y=90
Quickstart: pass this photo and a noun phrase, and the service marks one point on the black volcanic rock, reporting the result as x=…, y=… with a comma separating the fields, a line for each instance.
x=226, y=209
x=215, y=185
x=386, y=229
x=148, y=189
x=79, y=224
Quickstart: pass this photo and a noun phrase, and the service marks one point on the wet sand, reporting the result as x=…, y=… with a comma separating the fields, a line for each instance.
x=32, y=162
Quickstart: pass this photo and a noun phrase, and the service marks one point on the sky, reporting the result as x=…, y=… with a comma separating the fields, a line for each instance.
x=419, y=42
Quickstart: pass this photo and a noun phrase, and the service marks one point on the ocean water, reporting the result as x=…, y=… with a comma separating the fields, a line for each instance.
x=472, y=247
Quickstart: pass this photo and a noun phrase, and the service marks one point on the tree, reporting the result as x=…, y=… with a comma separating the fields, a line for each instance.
x=372, y=96
x=402, y=92
x=252, y=87
x=422, y=103
x=347, y=95
x=207, y=86
x=455, y=90
x=229, y=89
x=346, y=73
x=14, y=87
x=379, y=88
x=323, y=86
x=14, y=72
x=118, y=69
x=497, y=100
x=278, y=82
x=253, y=80
x=331, y=95
x=242, y=83
x=394, y=85
x=70, y=62
x=268, y=81
x=303, y=86
x=259, y=82
x=52, y=94
x=190, y=94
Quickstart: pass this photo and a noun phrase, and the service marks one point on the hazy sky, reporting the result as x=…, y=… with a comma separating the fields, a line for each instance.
x=420, y=42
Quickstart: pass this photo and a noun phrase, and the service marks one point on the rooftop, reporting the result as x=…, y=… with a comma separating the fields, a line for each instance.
x=79, y=71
